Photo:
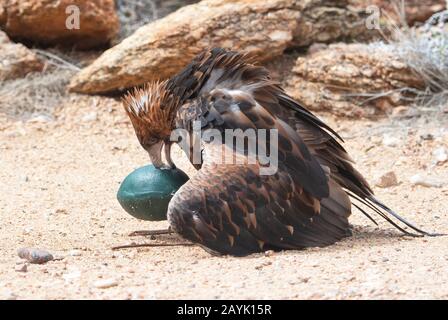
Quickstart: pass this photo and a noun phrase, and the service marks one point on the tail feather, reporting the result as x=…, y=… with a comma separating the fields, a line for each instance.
x=365, y=213
x=385, y=212
x=421, y=232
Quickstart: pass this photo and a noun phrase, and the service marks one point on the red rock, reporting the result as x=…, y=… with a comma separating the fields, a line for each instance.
x=44, y=21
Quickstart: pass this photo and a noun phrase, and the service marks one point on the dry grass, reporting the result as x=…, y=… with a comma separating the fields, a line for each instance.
x=136, y=13
x=36, y=94
x=425, y=50
x=40, y=93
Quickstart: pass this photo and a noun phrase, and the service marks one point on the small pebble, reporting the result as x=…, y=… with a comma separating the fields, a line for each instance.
x=27, y=230
x=9, y=295
x=90, y=117
x=305, y=279
x=390, y=141
x=61, y=211
x=75, y=253
x=420, y=180
x=105, y=283
x=23, y=267
x=440, y=155
x=269, y=253
x=48, y=215
x=389, y=179
x=35, y=256
x=71, y=276
x=40, y=119
x=427, y=136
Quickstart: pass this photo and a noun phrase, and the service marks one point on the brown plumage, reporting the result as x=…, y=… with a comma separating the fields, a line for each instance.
x=232, y=208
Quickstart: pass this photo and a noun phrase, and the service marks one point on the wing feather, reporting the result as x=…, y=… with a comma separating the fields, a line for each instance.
x=277, y=220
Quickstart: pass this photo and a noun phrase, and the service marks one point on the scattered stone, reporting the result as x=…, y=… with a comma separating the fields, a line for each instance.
x=401, y=160
x=305, y=279
x=75, y=253
x=40, y=119
x=445, y=109
x=429, y=182
x=27, y=230
x=440, y=155
x=427, y=136
x=61, y=211
x=90, y=117
x=16, y=60
x=105, y=283
x=48, y=215
x=35, y=256
x=23, y=267
x=389, y=179
x=269, y=253
x=9, y=295
x=342, y=78
x=72, y=276
x=390, y=141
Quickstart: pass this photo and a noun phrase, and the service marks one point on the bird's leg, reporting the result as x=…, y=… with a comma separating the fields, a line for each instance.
x=141, y=245
x=151, y=232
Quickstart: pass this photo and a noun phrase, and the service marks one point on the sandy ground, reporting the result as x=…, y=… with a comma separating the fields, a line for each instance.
x=58, y=182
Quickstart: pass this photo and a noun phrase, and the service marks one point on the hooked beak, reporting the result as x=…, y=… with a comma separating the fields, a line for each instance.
x=155, y=154
x=168, y=159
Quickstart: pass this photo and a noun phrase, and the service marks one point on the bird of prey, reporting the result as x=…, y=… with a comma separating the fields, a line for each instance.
x=230, y=208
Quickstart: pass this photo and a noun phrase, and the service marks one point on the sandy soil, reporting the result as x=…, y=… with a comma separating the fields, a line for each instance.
x=58, y=182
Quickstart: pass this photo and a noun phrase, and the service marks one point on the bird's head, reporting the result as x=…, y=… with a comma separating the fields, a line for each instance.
x=152, y=112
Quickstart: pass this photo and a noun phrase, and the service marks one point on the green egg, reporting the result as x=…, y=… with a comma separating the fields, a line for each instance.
x=146, y=192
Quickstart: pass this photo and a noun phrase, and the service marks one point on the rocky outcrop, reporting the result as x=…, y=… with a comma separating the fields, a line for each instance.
x=16, y=60
x=351, y=80
x=55, y=22
x=2, y=14
x=421, y=10
x=414, y=10
x=264, y=28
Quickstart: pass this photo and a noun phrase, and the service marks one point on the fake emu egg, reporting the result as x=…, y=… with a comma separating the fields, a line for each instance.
x=146, y=192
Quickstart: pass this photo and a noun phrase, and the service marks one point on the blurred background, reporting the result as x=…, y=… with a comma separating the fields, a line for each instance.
x=48, y=47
